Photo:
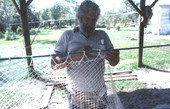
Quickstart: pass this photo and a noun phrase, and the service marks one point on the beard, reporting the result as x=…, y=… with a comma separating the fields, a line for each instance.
x=86, y=29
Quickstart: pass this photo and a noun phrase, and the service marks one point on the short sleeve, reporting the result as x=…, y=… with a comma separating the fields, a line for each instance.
x=61, y=45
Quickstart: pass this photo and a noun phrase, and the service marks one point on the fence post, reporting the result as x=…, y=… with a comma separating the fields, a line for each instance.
x=26, y=34
x=141, y=33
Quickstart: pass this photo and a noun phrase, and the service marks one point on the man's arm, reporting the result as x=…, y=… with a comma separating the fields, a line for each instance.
x=113, y=57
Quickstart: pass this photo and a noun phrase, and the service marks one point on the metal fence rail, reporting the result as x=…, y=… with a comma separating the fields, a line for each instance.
x=74, y=53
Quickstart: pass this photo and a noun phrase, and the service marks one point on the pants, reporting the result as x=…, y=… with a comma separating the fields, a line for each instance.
x=86, y=100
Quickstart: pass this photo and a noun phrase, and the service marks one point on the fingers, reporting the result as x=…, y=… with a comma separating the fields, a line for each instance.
x=112, y=54
x=87, y=48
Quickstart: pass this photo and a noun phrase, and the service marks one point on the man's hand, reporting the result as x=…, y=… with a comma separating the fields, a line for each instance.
x=57, y=62
x=79, y=56
x=113, y=57
x=85, y=48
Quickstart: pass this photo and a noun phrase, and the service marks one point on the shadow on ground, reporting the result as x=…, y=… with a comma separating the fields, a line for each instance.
x=53, y=42
x=145, y=98
x=156, y=69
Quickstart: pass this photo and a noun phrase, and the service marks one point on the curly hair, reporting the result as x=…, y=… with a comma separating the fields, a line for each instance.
x=90, y=7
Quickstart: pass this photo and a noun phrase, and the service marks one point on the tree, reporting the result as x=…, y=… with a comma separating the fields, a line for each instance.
x=128, y=12
x=2, y=25
x=58, y=11
x=127, y=7
x=71, y=1
x=32, y=17
x=45, y=14
x=4, y=14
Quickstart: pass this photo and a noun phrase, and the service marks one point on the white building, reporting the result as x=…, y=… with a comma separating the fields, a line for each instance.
x=160, y=22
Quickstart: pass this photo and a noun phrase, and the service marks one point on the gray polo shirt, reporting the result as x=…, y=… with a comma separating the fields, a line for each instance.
x=86, y=76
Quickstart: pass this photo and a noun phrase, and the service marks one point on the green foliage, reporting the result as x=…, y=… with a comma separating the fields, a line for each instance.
x=8, y=36
x=44, y=14
x=31, y=14
x=19, y=29
x=9, y=12
x=1, y=36
x=32, y=31
x=70, y=1
x=127, y=7
x=10, y=15
x=57, y=11
x=2, y=25
x=110, y=19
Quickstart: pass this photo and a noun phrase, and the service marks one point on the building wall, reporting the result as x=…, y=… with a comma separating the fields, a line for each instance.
x=155, y=20
x=165, y=20
x=160, y=21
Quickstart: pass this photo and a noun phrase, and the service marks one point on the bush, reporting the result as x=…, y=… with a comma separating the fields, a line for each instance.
x=8, y=36
x=100, y=26
x=39, y=30
x=19, y=30
x=2, y=25
x=108, y=28
x=1, y=36
x=32, y=31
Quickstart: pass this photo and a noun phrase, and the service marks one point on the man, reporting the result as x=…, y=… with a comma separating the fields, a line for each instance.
x=86, y=88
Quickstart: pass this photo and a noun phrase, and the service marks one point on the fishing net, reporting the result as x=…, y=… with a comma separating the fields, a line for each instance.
x=83, y=84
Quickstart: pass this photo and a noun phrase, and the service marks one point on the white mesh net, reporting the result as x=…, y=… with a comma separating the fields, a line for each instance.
x=81, y=85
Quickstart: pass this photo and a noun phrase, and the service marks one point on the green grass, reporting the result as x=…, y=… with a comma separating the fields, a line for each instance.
x=154, y=57
x=157, y=57
x=6, y=42
x=124, y=85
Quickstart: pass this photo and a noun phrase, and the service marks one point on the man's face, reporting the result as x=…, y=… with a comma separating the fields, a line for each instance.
x=87, y=24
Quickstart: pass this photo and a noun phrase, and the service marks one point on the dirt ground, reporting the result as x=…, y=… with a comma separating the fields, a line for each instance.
x=155, y=96
x=145, y=98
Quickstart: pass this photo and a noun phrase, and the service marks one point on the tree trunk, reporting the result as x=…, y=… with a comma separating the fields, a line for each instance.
x=141, y=34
